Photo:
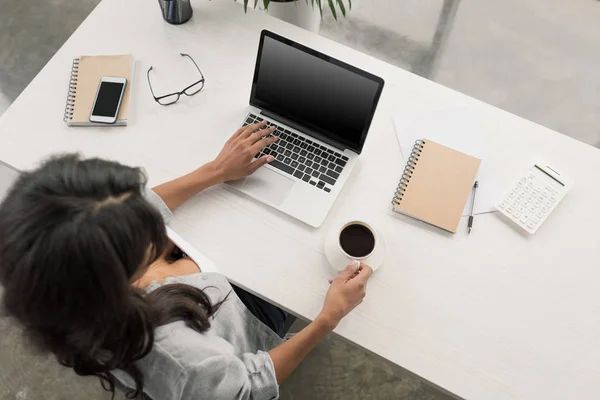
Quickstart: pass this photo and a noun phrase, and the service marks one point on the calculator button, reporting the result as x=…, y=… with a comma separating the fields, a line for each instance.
x=545, y=193
x=531, y=225
x=517, y=214
x=524, y=218
x=539, y=214
x=521, y=209
x=502, y=205
x=537, y=203
x=529, y=199
x=519, y=184
x=540, y=199
x=512, y=194
x=547, y=203
x=523, y=180
x=535, y=220
x=544, y=208
x=552, y=199
x=510, y=209
x=525, y=204
x=531, y=209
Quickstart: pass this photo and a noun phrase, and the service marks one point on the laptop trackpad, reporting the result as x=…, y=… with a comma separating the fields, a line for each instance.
x=268, y=185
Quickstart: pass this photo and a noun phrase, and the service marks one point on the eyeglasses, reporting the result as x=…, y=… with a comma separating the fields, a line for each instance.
x=172, y=98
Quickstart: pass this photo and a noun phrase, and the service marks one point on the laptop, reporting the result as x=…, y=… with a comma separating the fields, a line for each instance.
x=322, y=109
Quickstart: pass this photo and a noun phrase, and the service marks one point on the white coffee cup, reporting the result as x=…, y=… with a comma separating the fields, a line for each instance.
x=354, y=258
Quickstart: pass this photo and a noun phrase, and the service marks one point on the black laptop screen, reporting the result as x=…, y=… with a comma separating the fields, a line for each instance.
x=314, y=91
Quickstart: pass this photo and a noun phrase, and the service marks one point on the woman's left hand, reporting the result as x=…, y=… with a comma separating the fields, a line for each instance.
x=235, y=159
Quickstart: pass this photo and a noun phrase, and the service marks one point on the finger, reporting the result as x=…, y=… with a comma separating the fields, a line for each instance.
x=346, y=274
x=259, y=163
x=247, y=130
x=238, y=132
x=363, y=265
x=262, y=143
x=356, y=265
x=260, y=134
x=364, y=274
x=250, y=129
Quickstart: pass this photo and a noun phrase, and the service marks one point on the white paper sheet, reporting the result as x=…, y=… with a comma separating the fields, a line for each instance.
x=458, y=129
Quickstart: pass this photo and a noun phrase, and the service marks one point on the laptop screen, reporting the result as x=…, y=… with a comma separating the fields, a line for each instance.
x=311, y=90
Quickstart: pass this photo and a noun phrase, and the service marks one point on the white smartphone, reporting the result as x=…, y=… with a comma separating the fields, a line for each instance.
x=108, y=100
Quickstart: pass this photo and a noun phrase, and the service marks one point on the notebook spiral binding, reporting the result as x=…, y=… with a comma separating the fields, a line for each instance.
x=72, y=94
x=411, y=163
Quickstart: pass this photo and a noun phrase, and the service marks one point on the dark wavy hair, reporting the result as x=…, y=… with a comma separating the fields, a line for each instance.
x=73, y=233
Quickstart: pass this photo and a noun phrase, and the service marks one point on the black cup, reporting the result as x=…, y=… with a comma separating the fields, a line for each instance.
x=357, y=239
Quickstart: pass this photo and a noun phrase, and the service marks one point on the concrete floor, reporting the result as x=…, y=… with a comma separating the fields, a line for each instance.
x=536, y=58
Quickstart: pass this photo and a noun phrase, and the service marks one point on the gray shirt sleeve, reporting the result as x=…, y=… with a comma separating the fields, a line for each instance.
x=160, y=205
x=226, y=377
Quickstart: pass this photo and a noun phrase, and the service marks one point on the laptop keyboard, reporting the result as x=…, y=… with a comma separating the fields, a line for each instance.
x=301, y=157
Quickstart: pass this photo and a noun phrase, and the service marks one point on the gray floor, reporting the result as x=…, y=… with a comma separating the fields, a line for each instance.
x=536, y=58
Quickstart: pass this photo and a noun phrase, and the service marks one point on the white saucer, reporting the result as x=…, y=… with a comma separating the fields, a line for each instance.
x=338, y=260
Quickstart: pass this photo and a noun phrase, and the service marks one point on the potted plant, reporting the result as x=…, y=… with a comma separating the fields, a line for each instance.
x=301, y=13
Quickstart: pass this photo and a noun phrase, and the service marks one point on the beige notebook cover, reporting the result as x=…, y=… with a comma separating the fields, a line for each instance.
x=436, y=184
x=85, y=78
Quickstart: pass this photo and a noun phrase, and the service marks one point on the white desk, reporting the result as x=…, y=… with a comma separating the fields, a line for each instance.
x=496, y=315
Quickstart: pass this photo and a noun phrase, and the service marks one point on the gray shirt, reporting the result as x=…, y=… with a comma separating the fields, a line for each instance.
x=228, y=361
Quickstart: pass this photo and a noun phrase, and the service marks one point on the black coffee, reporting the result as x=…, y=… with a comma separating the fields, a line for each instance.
x=357, y=240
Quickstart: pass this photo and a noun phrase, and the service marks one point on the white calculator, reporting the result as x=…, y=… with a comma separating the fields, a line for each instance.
x=533, y=197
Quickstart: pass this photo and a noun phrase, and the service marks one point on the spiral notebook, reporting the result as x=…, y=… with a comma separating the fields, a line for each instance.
x=86, y=73
x=436, y=184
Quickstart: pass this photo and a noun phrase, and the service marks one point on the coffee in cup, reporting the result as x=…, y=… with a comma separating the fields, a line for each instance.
x=357, y=239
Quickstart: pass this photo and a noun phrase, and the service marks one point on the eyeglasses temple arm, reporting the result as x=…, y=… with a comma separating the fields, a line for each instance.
x=197, y=67
x=149, y=84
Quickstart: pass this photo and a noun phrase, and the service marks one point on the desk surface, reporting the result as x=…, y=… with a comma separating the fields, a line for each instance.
x=493, y=315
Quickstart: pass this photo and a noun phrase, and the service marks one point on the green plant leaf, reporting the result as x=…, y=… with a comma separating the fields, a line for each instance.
x=266, y=4
x=332, y=7
x=350, y=4
x=320, y=8
x=342, y=7
x=255, y=3
x=245, y=6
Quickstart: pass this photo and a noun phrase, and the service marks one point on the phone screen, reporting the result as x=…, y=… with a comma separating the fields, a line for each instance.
x=108, y=99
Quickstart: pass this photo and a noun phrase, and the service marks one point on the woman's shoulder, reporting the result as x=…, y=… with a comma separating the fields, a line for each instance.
x=177, y=349
x=214, y=285
x=200, y=280
x=179, y=343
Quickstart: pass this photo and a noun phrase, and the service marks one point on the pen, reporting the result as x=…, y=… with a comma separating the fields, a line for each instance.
x=472, y=206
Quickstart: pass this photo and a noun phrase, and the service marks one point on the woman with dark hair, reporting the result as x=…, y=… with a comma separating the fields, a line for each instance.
x=89, y=272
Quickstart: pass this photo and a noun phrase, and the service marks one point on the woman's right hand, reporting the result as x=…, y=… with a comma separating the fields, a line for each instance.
x=347, y=290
